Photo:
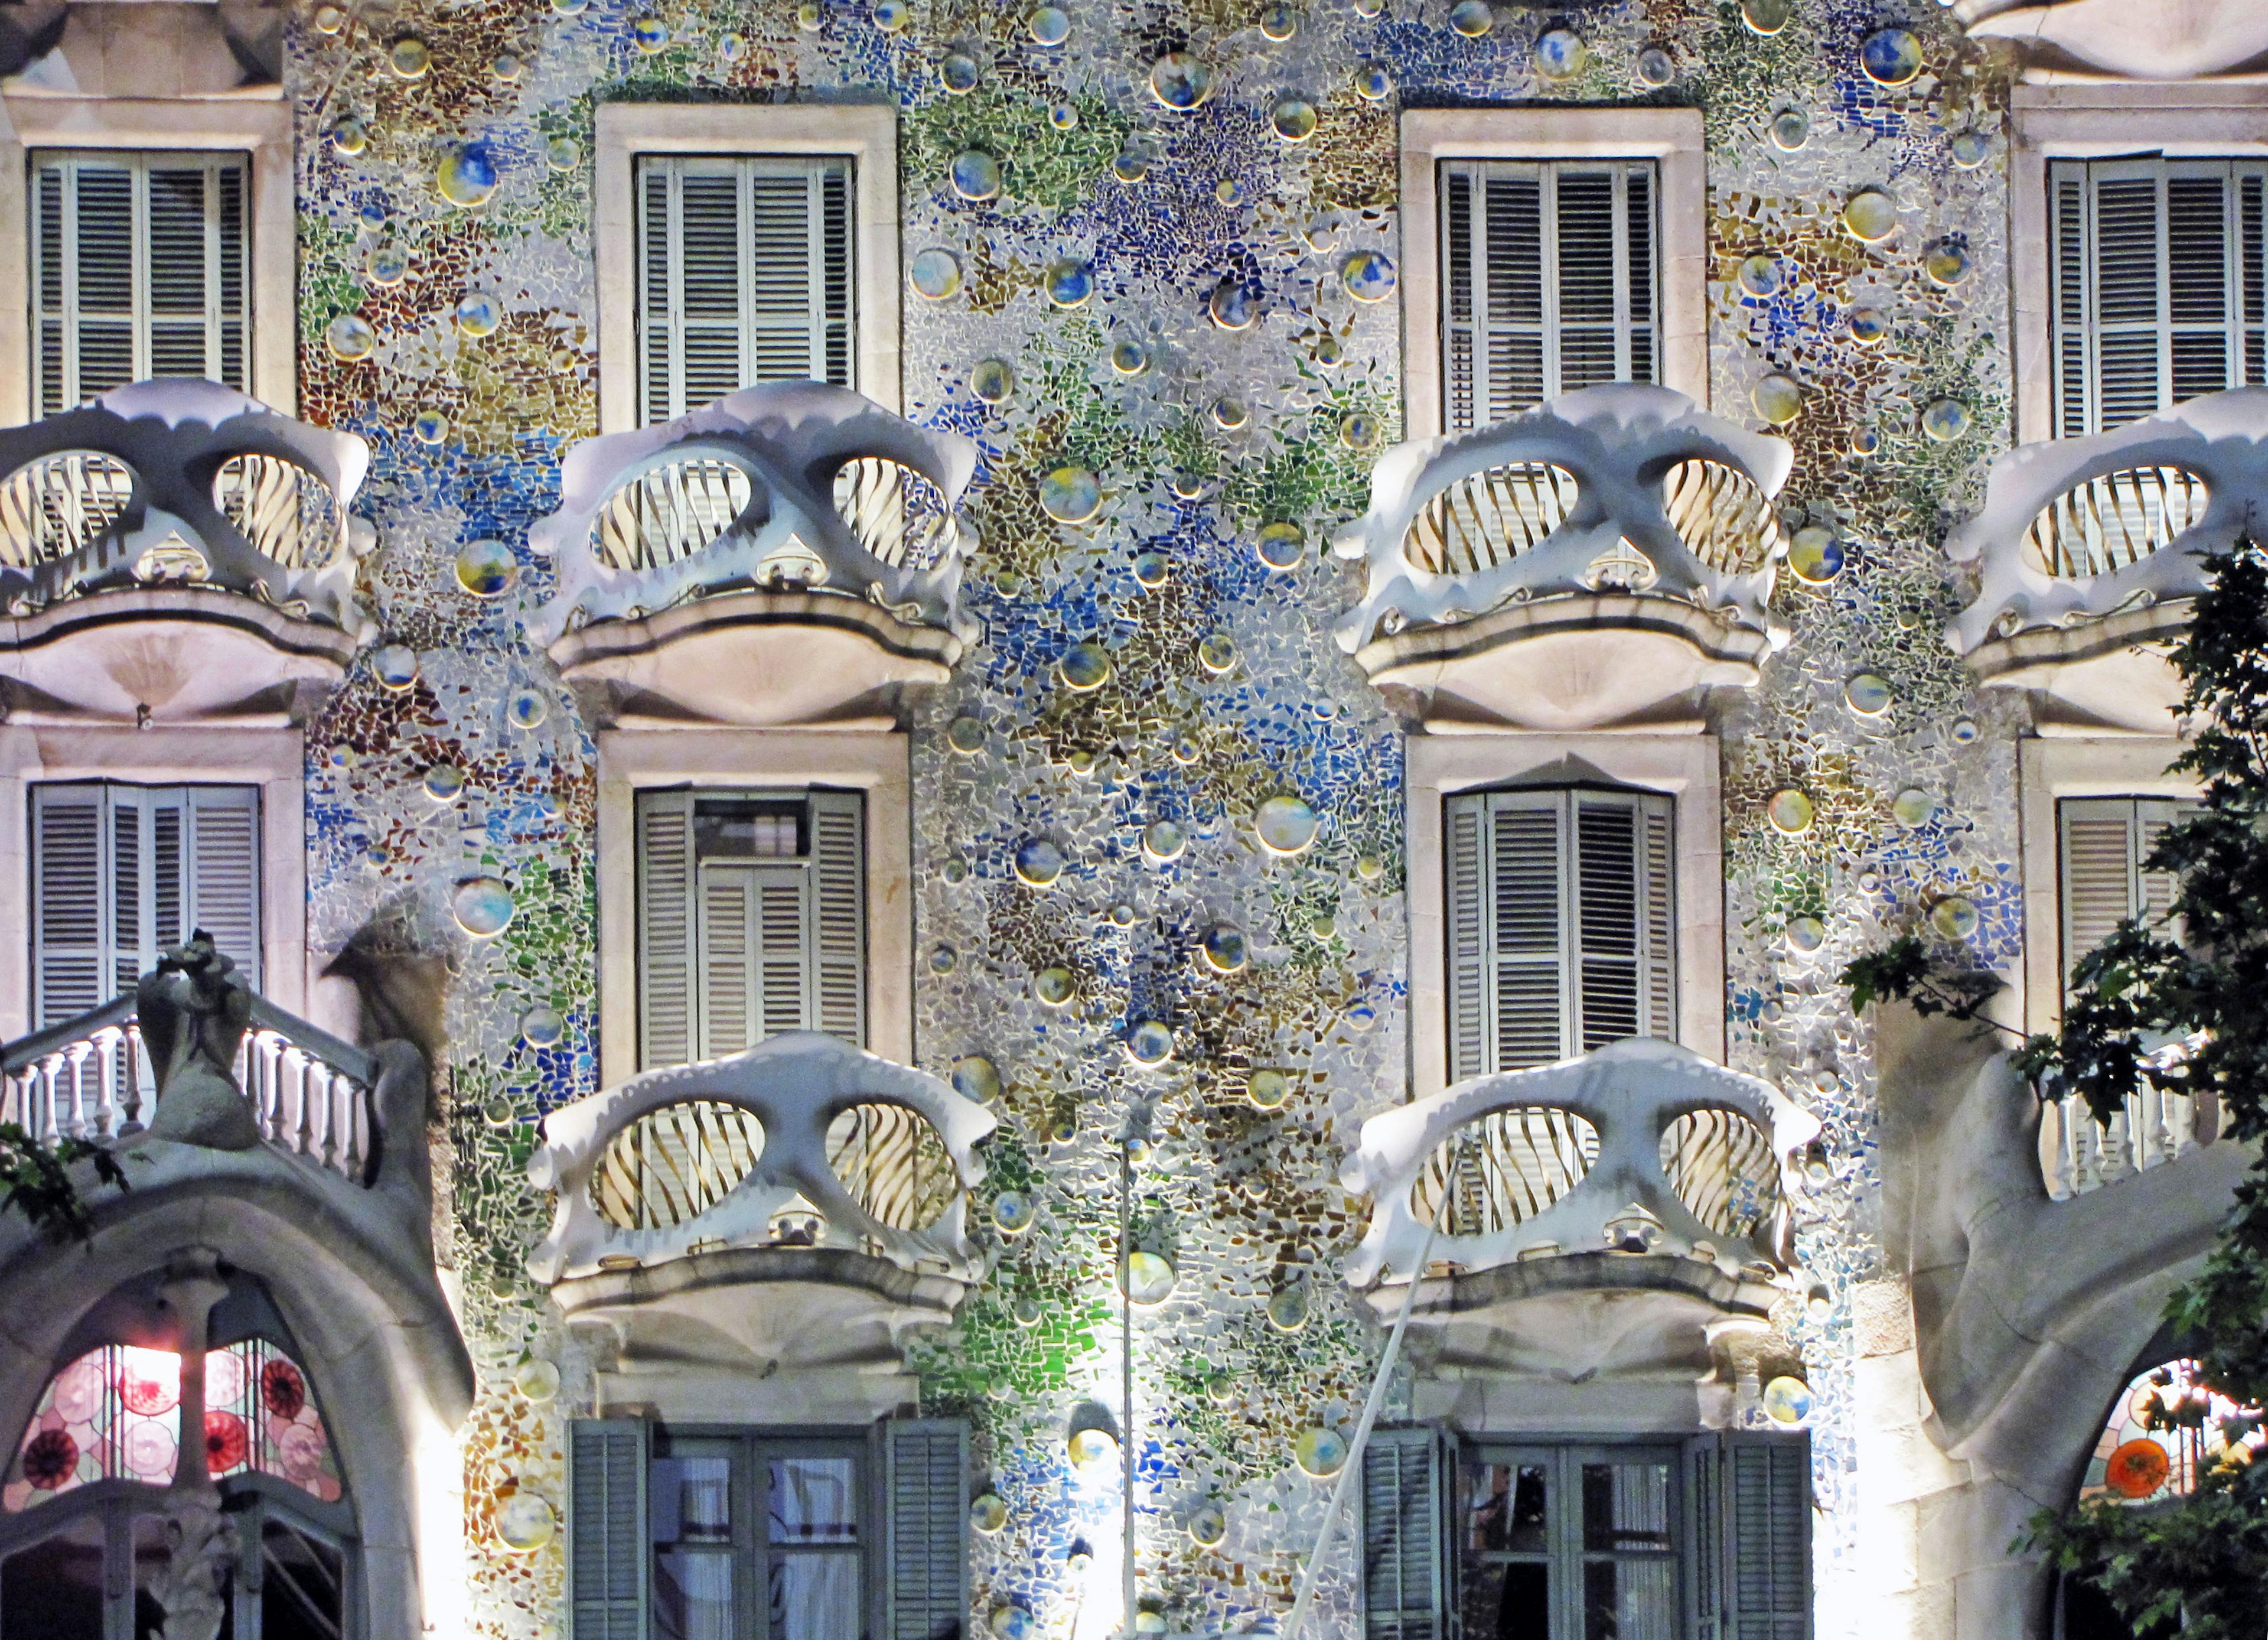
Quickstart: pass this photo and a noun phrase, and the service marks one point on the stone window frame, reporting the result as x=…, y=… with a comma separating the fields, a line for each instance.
x=866, y=134
x=271, y=758
x=2050, y=768
x=1672, y=137
x=2094, y=120
x=879, y=764
x=1685, y=765
x=258, y=124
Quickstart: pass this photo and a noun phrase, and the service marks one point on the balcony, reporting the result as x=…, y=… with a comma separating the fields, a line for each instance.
x=1586, y=565
x=797, y=1208
x=1604, y=1214
x=174, y=552
x=2089, y=552
x=787, y=555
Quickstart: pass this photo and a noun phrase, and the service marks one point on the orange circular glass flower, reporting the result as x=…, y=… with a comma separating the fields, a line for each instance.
x=2137, y=1469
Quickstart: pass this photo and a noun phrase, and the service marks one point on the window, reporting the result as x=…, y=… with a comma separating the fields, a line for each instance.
x=751, y=919
x=121, y=872
x=1534, y=1540
x=1548, y=275
x=141, y=268
x=1560, y=924
x=2157, y=285
x=83, y=1521
x=745, y=275
x=767, y=1535
x=2103, y=842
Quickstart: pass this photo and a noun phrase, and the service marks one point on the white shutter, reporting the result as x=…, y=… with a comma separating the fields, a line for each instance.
x=665, y=928
x=1527, y=927
x=925, y=1493
x=1408, y=1506
x=221, y=871
x=2158, y=273
x=838, y=866
x=1748, y=1535
x=745, y=276
x=2103, y=842
x=606, y=1529
x=1550, y=282
x=1465, y=823
x=140, y=271
x=71, y=953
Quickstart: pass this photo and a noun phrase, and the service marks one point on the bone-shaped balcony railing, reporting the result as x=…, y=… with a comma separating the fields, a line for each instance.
x=790, y=484
x=90, y=1078
x=1641, y=1146
x=2074, y=529
x=182, y=481
x=1623, y=488
x=802, y=1140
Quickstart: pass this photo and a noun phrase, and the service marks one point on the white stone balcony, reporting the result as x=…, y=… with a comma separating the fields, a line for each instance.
x=2090, y=558
x=799, y=1207
x=1582, y=565
x=1640, y=1177
x=175, y=552
x=788, y=554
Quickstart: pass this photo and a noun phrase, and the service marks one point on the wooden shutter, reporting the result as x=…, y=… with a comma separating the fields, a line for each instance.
x=838, y=868
x=220, y=871
x=2104, y=841
x=1561, y=927
x=1409, y=1476
x=925, y=1500
x=665, y=928
x=745, y=273
x=2158, y=273
x=1465, y=823
x=1748, y=1535
x=139, y=269
x=1549, y=282
x=606, y=1529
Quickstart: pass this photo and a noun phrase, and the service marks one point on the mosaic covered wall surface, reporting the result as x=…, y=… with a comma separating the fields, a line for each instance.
x=1223, y=688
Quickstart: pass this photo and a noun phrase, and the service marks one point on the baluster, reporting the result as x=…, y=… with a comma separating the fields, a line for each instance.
x=344, y=1091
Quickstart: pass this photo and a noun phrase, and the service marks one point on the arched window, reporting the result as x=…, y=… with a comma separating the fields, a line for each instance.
x=89, y=1494
x=2166, y=1429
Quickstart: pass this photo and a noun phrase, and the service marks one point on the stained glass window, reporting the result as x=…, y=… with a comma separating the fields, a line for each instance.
x=2167, y=1428
x=115, y=1413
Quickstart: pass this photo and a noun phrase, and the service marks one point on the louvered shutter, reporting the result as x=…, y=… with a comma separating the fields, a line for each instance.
x=2157, y=271
x=2104, y=841
x=925, y=1500
x=744, y=274
x=1748, y=1535
x=71, y=927
x=1407, y=1563
x=220, y=868
x=665, y=928
x=606, y=1529
x=838, y=868
x=1527, y=927
x=1549, y=282
x=1465, y=823
x=140, y=270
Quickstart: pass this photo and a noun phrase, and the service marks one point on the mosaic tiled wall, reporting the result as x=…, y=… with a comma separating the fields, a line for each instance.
x=447, y=314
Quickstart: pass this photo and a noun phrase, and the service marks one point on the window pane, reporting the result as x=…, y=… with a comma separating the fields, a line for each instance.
x=1625, y=1506
x=693, y=1595
x=690, y=1500
x=54, y=1587
x=1629, y=1599
x=815, y=1597
x=1504, y=1505
x=1509, y=1600
x=814, y=1500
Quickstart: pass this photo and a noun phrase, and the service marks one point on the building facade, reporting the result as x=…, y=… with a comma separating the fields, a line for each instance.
x=923, y=819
